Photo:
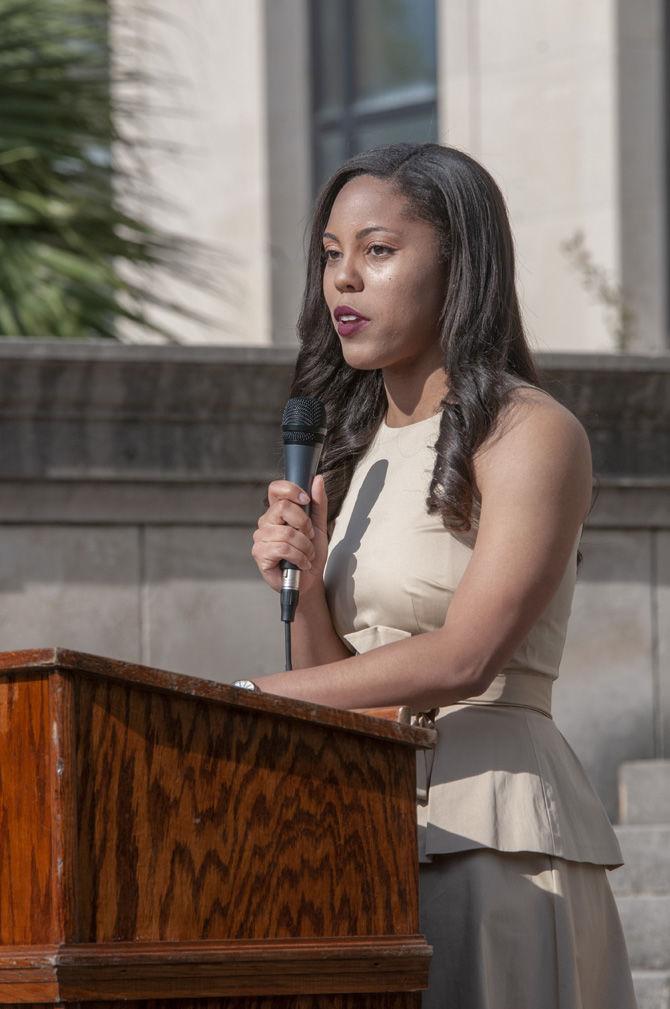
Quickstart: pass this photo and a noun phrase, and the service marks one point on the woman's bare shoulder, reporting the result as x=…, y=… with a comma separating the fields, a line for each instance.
x=534, y=426
x=537, y=410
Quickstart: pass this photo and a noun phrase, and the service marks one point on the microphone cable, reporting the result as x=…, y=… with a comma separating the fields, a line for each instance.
x=287, y=645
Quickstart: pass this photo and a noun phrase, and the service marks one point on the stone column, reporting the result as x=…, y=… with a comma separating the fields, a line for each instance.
x=210, y=104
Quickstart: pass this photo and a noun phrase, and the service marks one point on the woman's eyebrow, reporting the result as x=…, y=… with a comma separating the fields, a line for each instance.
x=364, y=231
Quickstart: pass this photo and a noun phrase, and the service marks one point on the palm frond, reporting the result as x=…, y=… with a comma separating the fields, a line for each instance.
x=65, y=230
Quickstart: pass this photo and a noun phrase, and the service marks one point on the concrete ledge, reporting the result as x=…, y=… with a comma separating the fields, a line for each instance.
x=99, y=410
x=104, y=411
x=630, y=503
x=237, y=499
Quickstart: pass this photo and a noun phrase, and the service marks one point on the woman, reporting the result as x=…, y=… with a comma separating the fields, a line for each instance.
x=438, y=569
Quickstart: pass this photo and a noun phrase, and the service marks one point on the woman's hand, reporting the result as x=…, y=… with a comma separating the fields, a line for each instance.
x=286, y=532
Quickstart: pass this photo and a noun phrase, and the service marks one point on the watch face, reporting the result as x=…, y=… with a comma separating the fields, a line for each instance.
x=245, y=684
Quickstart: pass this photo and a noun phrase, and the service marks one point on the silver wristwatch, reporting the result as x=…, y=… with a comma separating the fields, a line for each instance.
x=246, y=685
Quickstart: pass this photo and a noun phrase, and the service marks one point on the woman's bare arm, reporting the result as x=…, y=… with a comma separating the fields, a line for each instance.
x=535, y=481
x=314, y=640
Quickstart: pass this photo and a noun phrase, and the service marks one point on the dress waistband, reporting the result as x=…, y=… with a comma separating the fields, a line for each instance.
x=518, y=688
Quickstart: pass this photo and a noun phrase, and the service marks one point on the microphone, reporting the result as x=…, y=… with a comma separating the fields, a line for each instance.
x=303, y=431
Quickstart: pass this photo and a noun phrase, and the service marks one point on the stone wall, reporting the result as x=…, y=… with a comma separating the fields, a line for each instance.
x=132, y=478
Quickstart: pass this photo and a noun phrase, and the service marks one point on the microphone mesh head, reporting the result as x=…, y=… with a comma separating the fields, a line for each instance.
x=305, y=410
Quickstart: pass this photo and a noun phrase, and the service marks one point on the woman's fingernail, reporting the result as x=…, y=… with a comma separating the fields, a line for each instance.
x=303, y=498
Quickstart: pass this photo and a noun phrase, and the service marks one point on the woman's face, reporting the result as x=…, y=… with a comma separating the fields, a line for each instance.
x=391, y=275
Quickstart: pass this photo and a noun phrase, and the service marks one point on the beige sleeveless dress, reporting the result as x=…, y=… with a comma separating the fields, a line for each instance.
x=513, y=840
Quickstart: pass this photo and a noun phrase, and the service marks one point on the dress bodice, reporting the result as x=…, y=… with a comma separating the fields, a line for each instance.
x=501, y=775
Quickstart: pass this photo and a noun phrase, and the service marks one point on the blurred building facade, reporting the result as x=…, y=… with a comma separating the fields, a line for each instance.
x=565, y=104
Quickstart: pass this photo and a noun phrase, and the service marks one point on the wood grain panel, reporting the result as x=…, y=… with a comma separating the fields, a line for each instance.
x=199, y=821
x=238, y=969
x=63, y=805
x=26, y=880
x=382, y=963
x=385, y=1000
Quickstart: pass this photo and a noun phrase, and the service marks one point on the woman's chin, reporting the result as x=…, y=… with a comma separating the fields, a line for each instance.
x=360, y=359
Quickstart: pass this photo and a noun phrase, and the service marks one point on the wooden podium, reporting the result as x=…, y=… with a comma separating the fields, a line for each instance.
x=173, y=842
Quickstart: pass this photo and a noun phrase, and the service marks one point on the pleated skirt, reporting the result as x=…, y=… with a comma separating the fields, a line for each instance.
x=522, y=930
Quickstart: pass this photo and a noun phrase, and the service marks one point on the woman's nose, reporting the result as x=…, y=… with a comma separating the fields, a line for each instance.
x=347, y=276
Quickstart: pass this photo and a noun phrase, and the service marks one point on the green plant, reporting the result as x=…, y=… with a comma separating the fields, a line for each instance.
x=621, y=317
x=73, y=259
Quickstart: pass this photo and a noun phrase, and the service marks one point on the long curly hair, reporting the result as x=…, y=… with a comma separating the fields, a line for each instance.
x=482, y=339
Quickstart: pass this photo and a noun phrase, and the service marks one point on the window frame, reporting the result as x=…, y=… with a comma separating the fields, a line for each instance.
x=383, y=108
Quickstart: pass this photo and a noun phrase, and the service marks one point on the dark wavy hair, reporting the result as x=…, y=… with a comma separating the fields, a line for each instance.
x=482, y=338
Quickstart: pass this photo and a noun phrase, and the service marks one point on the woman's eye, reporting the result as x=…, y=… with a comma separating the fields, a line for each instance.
x=376, y=245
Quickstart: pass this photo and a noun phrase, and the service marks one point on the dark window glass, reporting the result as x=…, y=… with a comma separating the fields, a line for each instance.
x=332, y=151
x=394, y=48
x=374, y=77
x=418, y=127
x=329, y=67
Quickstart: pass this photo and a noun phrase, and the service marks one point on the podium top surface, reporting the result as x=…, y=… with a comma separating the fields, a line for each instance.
x=58, y=659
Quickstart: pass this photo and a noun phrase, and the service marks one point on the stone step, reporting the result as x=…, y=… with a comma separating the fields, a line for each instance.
x=652, y=989
x=646, y=850
x=644, y=791
x=646, y=926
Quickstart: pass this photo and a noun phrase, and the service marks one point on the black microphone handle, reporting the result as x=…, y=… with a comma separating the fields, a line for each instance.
x=300, y=466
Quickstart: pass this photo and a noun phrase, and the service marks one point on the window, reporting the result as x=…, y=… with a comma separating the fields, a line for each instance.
x=374, y=70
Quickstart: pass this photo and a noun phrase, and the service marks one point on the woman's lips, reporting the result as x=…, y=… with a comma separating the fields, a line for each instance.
x=349, y=328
